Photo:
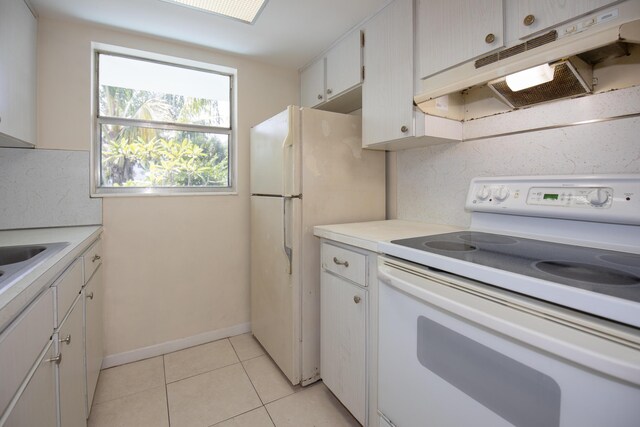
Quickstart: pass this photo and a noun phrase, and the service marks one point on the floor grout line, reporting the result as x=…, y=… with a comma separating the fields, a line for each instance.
x=166, y=391
x=269, y=414
x=202, y=373
x=252, y=384
x=245, y=412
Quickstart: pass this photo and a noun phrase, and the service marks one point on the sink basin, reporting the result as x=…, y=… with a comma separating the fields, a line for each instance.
x=14, y=254
x=16, y=261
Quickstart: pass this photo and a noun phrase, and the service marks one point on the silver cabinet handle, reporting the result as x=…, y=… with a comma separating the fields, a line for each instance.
x=404, y=129
x=490, y=38
x=66, y=340
x=338, y=262
x=90, y=295
x=56, y=359
x=320, y=97
x=356, y=299
x=95, y=258
x=329, y=91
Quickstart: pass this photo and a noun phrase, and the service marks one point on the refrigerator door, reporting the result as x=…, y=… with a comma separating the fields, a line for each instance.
x=275, y=290
x=342, y=183
x=274, y=147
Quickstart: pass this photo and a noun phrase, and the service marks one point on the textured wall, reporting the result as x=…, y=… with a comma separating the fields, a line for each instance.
x=45, y=188
x=433, y=181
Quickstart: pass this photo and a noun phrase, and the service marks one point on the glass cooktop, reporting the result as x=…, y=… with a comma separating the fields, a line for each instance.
x=597, y=270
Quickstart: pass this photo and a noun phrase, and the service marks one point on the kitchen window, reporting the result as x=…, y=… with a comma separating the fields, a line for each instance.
x=162, y=125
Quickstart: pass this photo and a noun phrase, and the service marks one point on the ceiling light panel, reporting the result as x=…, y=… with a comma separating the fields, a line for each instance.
x=242, y=10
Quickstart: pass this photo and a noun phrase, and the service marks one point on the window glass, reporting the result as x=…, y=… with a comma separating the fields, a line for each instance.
x=161, y=126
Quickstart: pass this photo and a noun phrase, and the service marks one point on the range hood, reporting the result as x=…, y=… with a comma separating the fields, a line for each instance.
x=571, y=57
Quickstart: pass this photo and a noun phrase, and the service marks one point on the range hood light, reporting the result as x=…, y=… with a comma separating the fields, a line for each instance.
x=531, y=77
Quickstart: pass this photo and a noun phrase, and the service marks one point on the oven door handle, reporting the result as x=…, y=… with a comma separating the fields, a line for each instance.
x=515, y=321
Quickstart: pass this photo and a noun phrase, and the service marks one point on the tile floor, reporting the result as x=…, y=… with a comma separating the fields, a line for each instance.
x=225, y=383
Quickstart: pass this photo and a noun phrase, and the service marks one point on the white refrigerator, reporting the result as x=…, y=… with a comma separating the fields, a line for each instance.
x=307, y=168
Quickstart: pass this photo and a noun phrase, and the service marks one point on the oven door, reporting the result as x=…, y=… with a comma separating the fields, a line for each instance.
x=458, y=353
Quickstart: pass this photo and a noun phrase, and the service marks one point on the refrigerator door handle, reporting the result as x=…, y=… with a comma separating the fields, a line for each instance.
x=287, y=250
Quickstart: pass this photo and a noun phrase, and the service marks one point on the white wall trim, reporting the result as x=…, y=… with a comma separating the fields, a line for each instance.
x=175, y=345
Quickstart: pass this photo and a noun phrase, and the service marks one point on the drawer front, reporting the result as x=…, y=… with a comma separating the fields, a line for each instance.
x=345, y=263
x=21, y=344
x=92, y=258
x=68, y=286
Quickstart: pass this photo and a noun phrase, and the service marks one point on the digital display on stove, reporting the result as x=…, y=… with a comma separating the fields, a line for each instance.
x=550, y=197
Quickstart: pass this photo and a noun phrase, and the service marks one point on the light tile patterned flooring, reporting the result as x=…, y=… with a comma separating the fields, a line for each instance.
x=225, y=383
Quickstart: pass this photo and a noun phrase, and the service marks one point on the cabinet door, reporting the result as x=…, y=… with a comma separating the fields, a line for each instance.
x=387, y=91
x=92, y=296
x=344, y=65
x=71, y=369
x=18, y=354
x=548, y=13
x=37, y=403
x=312, y=84
x=18, y=29
x=451, y=32
x=343, y=340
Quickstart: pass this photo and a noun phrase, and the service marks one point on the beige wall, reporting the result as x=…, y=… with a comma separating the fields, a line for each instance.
x=174, y=266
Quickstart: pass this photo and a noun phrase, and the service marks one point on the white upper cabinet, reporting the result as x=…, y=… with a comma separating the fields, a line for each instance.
x=451, y=32
x=18, y=30
x=538, y=15
x=312, y=84
x=344, y=65
x=387, y=92
x=331, y=77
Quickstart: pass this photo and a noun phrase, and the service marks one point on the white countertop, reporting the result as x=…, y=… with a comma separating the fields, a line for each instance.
x=366, y=235
x=18, y=295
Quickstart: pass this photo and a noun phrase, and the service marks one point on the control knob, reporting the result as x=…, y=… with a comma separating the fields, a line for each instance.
x=483, y=193
x=598, y=197
x=501, y=193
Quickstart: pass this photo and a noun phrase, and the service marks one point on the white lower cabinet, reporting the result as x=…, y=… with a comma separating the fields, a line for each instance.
x=36, y=405
x=92, y=297
x=343, y=342
x=348, y=313
x=71, y=376
x=51, y=354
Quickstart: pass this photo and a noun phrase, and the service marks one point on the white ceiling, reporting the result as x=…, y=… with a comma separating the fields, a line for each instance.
x=288, y=32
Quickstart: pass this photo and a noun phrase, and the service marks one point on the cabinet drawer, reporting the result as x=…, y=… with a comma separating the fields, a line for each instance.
x=21, y=344
x=92, y=258
x=68, y=286
x=345, y=263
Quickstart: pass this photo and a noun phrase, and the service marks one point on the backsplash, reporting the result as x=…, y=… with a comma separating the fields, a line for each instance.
x=432, y=182
x=46, y=188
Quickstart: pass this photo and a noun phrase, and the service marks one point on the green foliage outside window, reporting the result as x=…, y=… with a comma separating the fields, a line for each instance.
x=135, y=156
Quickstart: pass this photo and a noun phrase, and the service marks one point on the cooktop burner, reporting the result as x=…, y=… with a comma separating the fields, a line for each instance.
x=450, y=246
x=607, y=272
x=497, y=239
x=587, y=273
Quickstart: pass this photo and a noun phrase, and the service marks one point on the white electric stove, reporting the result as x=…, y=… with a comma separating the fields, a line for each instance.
x=569, y=240
x=530, y=317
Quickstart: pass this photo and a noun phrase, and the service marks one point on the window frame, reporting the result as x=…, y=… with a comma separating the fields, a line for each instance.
x=96, y=144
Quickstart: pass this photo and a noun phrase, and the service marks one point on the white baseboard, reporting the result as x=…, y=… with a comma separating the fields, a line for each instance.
x=169, y=346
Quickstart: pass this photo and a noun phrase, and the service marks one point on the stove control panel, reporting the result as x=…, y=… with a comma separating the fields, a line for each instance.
x=600, y=198
x=588, y=197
